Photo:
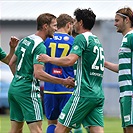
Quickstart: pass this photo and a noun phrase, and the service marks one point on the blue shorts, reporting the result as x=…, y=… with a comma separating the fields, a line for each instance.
x=53, y=104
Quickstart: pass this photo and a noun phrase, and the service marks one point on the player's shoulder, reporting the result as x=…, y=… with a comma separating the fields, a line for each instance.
x=35, y=38
x=1, y=49
x=129, y=34
x=128, y=37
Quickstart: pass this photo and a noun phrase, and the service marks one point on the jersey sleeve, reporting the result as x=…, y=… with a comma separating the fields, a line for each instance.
x=40, y=49
x=131, y=41
x=18, y=48
x=79, y=45
x=2, y=54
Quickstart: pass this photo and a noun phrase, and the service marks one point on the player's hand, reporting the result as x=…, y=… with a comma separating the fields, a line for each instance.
x=69, y=82
x=13, y=42
x=43, y=58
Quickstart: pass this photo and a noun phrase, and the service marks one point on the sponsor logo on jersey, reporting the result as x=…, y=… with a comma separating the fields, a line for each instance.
x=125, y=50
x=96, y=74
x=62, y=116
x=66, y=38
x=127, y=118
x=57, y=71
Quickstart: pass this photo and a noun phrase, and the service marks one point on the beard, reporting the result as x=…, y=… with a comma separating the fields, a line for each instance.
x=119, y=30
x=50, y=35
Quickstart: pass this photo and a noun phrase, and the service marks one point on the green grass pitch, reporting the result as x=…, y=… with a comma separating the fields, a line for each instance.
x=112, y=125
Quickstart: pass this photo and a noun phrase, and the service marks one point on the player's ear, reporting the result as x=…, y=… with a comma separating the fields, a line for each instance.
x=80, y=22
x=127, y=19
x=45, y=26
x=68, y=25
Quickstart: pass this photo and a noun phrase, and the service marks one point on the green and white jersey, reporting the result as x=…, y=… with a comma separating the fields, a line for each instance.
x=27, y=53
x=90, y=65
x=126, y=65
x=2, y=54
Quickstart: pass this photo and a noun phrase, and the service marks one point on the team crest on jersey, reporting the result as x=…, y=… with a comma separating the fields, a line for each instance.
x=66, y=38
x=76, y=47
x=62, y=116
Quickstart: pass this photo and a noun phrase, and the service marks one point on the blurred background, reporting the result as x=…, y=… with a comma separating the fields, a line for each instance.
x=18, y=18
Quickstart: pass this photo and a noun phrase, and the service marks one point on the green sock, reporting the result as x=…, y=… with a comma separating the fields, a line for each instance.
x=79, y=130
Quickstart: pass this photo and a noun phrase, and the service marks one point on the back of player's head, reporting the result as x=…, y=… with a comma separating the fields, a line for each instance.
x=87, y=16
x=44, y=18
x=126, y=12
x=63, y=19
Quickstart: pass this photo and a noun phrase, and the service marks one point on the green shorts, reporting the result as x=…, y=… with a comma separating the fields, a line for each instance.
x=82, y=110
x=25, y=108
x=126, y=106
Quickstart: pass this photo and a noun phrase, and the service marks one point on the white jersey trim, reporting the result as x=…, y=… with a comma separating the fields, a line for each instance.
x=125, y=83
x=86, y=35
x=126, y=93
x=36, y=39
x=124, y=60
x=124, y=72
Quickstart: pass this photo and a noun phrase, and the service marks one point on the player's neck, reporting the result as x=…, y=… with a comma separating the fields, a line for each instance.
x=62, y=30
x=41, y=34
x=126, y=31
x=84, y=30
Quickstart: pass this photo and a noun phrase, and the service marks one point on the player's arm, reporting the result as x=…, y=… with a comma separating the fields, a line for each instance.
x=63, y=61
x=13, y=43
x=40, y=74
x=12, y=64
x=111, y=66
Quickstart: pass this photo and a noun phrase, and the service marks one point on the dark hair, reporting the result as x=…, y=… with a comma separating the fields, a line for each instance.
x=45, y=18
x=127, y=11
x=63, y=19
x=87, y=16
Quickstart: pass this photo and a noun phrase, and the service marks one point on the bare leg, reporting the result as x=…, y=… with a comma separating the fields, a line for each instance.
x=129, y=129
x=62, y=129
x=52, y=122
x=96, y=129
x=16, y=127
x=124, y=130
x=35, y=127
